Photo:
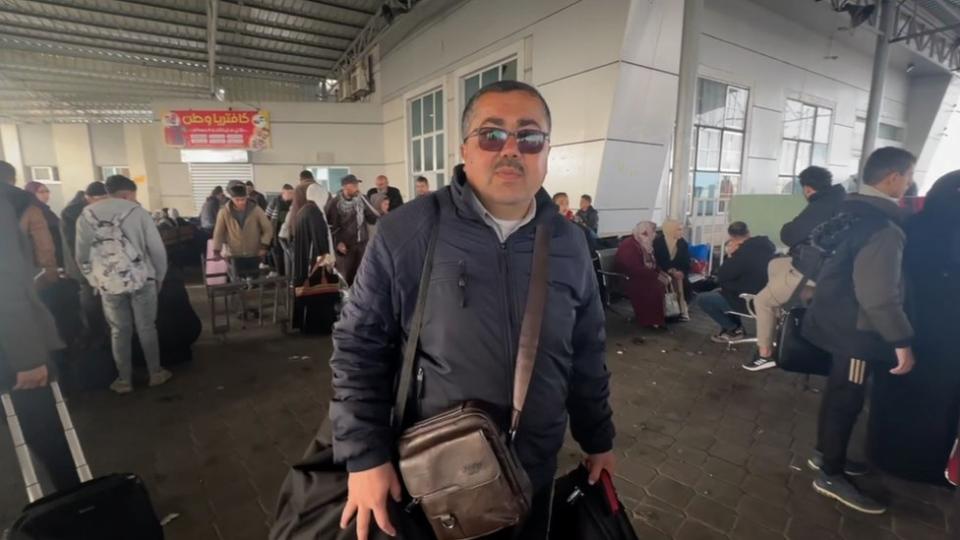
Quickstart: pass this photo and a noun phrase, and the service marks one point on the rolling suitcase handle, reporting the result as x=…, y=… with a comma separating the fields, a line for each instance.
x=30, y=480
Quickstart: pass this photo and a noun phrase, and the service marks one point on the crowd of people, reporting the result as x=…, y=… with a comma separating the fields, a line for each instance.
x=877, y=288
x=880, y=290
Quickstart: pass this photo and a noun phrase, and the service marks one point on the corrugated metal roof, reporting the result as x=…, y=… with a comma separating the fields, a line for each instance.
x=106, y=59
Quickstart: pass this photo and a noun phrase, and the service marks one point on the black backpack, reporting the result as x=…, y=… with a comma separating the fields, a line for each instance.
x=810, y=257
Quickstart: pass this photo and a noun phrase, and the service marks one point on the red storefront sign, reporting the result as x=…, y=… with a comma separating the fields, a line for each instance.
x=248, y=130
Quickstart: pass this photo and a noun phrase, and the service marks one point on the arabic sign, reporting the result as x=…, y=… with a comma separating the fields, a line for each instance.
x=248, y=130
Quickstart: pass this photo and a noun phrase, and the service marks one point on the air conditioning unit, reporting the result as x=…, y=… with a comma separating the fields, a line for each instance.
x=360, y=78
x=345, y=89
x=44, y=174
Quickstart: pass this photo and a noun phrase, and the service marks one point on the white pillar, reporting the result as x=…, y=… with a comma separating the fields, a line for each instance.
x=683, y=130
x=881, y=61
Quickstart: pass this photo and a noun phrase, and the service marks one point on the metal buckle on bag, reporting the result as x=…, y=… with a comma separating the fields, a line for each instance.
x=448, y=521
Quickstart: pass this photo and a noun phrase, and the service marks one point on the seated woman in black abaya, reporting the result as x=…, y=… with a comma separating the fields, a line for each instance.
x=914, y=418
x=315, y=305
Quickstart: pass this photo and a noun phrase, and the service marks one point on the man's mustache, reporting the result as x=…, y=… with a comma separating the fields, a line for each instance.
x=510, y=162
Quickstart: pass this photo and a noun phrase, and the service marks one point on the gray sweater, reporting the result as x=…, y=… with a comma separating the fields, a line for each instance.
x=139, y=229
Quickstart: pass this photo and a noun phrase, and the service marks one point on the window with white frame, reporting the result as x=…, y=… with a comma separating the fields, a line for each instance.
x=806, y=142
x=427, y=146
x=110, y=170
x=503, y=71
x=719, y=131
x=329, y=177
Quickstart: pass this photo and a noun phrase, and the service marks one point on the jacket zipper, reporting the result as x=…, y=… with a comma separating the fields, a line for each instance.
x=508, y=304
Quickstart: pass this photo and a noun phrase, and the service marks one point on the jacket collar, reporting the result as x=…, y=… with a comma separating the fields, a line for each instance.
x=876, y=204
x=835, y=191
x=463, y=196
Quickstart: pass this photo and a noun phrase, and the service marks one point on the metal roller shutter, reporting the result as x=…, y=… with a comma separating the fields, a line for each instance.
x=206, y=176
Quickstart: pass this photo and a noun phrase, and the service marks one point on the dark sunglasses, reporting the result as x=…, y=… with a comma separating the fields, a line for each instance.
x=491, y=139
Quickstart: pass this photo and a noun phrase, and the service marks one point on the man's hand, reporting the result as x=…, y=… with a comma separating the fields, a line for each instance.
x=262, y=253
x=34, y=378
x=905, y=361
x=342, y=248
x=597, y=463
x=367, y=492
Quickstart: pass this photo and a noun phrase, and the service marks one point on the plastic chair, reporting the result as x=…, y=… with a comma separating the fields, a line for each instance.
x=750, y=314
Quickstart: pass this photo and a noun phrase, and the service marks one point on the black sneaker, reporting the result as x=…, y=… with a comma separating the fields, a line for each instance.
x=759, y=363
x=726, y=336
x=841, y=489
x=850, y=468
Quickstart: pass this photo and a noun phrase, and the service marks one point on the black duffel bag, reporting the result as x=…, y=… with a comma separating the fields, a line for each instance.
x=314, y=494
x=585, y=512
x=794, y=352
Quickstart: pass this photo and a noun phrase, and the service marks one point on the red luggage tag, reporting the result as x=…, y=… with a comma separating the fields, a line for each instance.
x=953, y=465
x=609, y=493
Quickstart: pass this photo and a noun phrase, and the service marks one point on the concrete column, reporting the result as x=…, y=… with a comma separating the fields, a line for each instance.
x=71, y=144
x=683, y=131
x=881, y=60
x=142, y=159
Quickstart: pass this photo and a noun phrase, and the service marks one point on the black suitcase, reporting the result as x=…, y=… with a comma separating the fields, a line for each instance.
x=113, y=507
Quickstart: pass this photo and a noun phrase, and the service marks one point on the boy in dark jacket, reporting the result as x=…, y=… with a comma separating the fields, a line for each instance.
x=823, y=200
x=744, y=271
x=857, y=314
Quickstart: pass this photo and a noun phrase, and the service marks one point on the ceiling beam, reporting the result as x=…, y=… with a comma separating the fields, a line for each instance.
x=276, y=10
x=199, y=14
x=926, y=33
x=341, y=6
x=198, y=42
x=212, y=11
x=44, y=40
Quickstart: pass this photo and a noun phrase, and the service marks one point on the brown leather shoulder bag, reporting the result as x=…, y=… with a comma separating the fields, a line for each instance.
x=459, y=466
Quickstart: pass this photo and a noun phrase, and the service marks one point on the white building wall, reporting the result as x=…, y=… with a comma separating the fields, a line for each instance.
x=569, y=49
x=109, y=145
x=777, y=58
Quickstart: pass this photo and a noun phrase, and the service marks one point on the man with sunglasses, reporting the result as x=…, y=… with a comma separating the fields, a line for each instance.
x=487, y=218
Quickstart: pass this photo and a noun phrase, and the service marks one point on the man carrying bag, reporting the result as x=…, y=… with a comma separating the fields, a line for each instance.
x=478, y=293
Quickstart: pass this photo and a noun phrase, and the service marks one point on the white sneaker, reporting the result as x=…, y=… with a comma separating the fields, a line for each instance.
x=160, y=377
x=121, y=386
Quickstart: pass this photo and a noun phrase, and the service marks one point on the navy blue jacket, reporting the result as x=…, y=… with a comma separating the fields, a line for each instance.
x=468, y=344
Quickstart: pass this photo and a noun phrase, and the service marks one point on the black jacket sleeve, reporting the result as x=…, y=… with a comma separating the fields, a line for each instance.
x=396, y=199
x=591, y=420
x=797, y=230
x=364, y=364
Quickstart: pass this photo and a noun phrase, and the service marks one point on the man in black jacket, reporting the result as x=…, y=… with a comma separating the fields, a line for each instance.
x=385, y=190
x=487, y=218
x=744, y=271
x=823, y=200
x=857, y=314
x=588, y=214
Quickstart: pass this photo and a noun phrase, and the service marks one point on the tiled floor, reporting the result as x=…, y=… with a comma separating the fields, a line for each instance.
x=707, y=450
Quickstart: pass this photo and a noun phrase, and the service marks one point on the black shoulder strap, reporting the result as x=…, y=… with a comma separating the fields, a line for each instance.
x=413, y=340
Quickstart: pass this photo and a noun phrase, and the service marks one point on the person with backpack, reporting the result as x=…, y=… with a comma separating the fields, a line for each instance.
x=120, y=252
x=823, y=200
x=858, y=315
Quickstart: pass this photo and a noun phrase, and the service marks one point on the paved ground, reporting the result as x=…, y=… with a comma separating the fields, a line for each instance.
x=707, y=451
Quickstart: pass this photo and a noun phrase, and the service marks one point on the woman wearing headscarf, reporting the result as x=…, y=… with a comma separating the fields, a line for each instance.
x=673, y=256
x=312, y=249
x=41, y=199
x=914, y=417
x=647, y=284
